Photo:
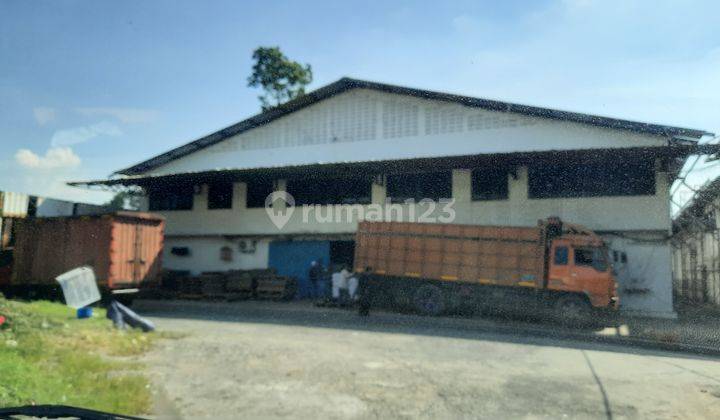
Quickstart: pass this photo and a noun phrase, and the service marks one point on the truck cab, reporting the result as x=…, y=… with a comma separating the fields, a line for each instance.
x=578, y=263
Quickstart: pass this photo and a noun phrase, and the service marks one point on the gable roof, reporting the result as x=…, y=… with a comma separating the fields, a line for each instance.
x=346, y=84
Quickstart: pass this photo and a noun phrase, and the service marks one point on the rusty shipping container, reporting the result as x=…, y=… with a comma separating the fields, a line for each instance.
x=124, y=248
x=13, y=204
x=497, y=255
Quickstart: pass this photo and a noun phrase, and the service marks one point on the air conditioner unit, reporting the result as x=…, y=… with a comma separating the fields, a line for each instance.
x=247, y=246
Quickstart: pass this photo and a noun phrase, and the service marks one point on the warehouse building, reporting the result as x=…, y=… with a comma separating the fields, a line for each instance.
x=353, y=149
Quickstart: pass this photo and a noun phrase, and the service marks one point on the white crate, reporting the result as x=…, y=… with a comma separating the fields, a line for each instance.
x=79, y=287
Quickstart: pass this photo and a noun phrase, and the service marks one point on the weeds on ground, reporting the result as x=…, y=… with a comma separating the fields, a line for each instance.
x=47, y=356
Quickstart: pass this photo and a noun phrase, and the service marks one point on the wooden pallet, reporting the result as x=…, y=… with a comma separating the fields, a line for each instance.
x=239, y=283
x=213, y=284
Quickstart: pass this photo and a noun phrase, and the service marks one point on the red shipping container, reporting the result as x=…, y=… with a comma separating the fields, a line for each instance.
x=123, y=248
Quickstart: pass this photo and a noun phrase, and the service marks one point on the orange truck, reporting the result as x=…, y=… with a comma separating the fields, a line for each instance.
x=433, y=268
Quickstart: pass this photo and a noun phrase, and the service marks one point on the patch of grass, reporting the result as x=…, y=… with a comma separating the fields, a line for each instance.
x=48, y=356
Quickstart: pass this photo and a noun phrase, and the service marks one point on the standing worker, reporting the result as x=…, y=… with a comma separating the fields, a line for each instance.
x=364, y=297
x=336, y=282
x=352, y=285
x=314, y=274
x=339, y=284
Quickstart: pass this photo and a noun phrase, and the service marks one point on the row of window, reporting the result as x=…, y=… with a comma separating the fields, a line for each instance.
x=562, y=180
x=220, y=196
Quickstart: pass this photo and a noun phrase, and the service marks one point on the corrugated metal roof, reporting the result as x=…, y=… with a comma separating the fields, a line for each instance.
x=346, y=84
x=695, y=207
x=372, y=168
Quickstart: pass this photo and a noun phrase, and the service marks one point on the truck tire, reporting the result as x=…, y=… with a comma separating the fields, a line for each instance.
x=429, y=300
x=573, y=310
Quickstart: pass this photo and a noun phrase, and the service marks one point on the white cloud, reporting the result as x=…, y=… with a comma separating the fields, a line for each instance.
x=51, y=184
x=44, y=114
x=76, y=135
x=55, y=158
x=124, y=115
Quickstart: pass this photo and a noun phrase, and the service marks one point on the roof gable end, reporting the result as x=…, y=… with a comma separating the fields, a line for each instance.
x=346, y=84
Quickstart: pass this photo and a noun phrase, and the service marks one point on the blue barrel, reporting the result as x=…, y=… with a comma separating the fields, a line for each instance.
x=85, y=312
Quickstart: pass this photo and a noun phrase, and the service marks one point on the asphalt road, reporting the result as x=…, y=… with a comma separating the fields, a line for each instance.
x=279, y=360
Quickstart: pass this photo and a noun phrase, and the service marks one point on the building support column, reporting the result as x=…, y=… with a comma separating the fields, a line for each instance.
x=200, y=197
x=378, y=190
x=239, y=201
x=462, y=195
x=280, y=185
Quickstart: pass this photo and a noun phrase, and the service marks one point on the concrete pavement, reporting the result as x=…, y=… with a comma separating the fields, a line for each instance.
x=275, y=360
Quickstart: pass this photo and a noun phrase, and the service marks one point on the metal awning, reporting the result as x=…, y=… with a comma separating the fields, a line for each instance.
x=373, y=168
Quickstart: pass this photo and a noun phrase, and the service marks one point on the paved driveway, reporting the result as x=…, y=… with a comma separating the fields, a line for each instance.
x=278, y=360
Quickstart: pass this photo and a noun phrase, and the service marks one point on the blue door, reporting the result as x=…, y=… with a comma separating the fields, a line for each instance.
x=293, y=258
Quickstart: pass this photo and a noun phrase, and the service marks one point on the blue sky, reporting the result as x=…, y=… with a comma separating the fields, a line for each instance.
x=89, y=87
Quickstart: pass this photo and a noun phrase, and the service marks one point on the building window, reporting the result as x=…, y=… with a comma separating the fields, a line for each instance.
x=257, y=192
x=226, y=254
x=583, y=256
x=220, y=195
x=330, y=191
x=429, y=185
x=175, y=197
x=489, y=184
x=180, y=251
x=619, y=257
x=591, y=179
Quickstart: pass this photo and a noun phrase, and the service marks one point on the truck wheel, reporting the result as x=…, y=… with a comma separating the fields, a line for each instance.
x=429, y=300
x=573, y=310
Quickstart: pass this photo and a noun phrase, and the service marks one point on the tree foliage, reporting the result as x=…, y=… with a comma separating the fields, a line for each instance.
x=281, y=78
x=124, y=200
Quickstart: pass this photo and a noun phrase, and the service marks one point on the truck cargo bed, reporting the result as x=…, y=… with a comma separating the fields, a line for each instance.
x=506, y=256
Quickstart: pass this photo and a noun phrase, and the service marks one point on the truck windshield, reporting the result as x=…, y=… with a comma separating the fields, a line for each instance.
x=594, y=257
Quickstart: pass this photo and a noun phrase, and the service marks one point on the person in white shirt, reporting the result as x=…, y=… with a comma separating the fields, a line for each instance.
x=352, y=285
x=339, y=281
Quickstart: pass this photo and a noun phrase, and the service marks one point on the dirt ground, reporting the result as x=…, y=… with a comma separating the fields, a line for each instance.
x=279, y=360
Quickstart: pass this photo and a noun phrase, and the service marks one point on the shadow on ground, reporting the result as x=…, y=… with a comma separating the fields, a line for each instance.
x=305, y=314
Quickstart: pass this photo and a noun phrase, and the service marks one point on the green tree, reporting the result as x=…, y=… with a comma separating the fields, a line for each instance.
x=124, y=200
x=281, y=78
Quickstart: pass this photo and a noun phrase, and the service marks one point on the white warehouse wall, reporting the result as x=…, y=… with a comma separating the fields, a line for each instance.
x=364, y=125
x=205, y=255
x=645, y=281
x=644, y=222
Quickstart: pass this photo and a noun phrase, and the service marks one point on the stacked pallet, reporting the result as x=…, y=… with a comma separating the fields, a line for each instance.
x=190, y=287
x=273, y=286
x=235, y=284
x=241, y=284
x=213, y=284
x=172, y=279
